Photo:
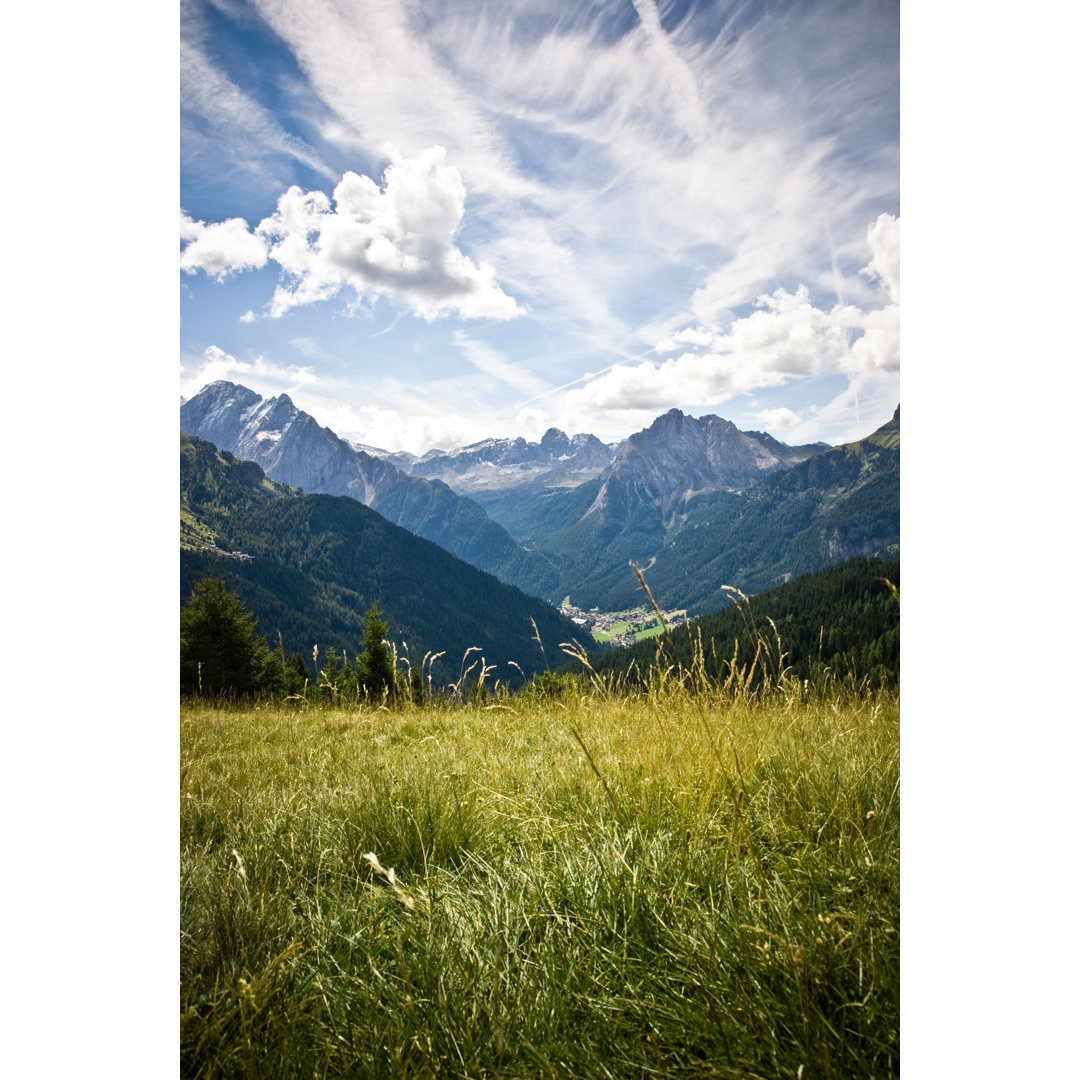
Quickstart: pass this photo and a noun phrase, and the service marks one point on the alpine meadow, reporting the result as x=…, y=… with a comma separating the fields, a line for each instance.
x=539, y=476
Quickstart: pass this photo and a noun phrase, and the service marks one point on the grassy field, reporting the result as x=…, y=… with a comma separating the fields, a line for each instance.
x=606, y=885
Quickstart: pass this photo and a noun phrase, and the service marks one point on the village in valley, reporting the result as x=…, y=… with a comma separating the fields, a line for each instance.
x=621, y=627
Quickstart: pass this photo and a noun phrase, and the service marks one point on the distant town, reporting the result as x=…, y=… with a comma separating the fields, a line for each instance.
x=621, y=627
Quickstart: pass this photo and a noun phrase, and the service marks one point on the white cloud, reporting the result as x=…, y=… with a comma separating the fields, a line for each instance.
x=389, y=430
x=217, y=364
x=879, y=347
x=786, y=338
x=778, y=418
x=694, y=335
x=687, y=136
x=249, y=130
x=677, y=77
x=387, y=84
x=396, y=240
x=532, y=423
x=248, y=317
x=884, y=239
x=220, y=249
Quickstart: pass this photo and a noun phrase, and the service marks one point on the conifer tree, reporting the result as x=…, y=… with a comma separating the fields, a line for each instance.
x=219, y=649
x=374, y=665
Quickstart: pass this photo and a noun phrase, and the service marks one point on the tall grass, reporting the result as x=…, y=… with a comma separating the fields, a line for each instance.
x=693, y=879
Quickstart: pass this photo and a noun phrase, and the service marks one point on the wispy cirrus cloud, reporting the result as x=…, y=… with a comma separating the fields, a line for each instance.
x=497, y=365
x=369, y=63
x=700, y=174
x=749, y=178
x=234, y=118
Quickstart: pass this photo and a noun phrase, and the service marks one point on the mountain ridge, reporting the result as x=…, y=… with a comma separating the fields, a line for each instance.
x=293, y=448
x=310, y=564
x=693, y=500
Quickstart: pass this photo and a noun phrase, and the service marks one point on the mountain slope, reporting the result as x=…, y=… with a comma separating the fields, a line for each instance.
x=635, y=503
x=799, y=516
x=317, y=561
x=834, y=506
x=678, y=456
x=291, y=447
x=839, y=620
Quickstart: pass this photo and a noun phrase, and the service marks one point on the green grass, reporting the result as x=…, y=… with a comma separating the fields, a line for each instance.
x=672, y=884
x=193, y=533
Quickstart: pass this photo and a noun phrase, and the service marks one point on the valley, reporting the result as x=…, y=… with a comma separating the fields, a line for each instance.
x=698, y=502
x=543, y=798
x=619, y=628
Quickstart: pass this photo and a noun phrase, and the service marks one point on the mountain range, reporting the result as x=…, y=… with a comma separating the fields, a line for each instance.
x=310, y=565
x=494, y=464
x=695, y=502
x=293, y=448
x=812, y=507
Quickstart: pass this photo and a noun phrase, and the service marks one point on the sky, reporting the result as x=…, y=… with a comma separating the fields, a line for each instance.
x=431, y=223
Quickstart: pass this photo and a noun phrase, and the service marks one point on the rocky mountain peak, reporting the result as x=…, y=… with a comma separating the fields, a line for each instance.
x=277, y=410
x=555, y=442
x=667, y=422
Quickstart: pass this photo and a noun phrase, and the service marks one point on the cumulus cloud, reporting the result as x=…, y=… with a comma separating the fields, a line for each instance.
x=532, y=423
x=220, y=249
x=879, y=347
x=779, y=418
x=884, y=239
x=398, y=239
x=786, y=337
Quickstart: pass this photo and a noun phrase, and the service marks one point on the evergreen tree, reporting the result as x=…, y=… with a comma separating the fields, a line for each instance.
x=417, y=690
x=219, y=649
x=375, y=665
x=331, y=676
x=295, y=674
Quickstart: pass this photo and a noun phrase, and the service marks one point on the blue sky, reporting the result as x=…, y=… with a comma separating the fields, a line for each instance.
x=431, y=223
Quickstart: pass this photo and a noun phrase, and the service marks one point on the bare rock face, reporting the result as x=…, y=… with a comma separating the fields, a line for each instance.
x=220, y=411
x=288, y=444
x=679, y=456
x=503, y=463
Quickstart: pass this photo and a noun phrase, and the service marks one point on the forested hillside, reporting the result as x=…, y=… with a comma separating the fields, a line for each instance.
x=318, y=561
x=841, y=503
x=293, y=448
x=842, y=621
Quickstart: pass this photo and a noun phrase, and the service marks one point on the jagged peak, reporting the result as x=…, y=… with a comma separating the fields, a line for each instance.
x=220, y=386
x=671, y=416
